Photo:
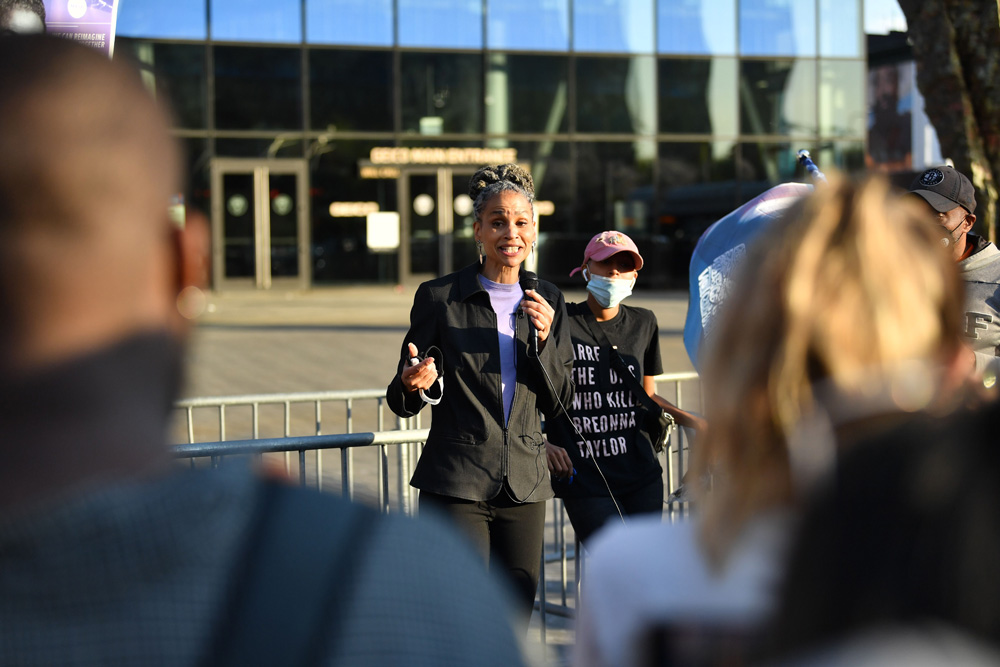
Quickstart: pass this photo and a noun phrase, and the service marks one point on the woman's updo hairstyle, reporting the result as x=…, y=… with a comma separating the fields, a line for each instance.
x=491, y=180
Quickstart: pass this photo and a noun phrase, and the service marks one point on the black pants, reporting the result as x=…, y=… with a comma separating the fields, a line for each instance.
x=588, y=514
x=506, y=534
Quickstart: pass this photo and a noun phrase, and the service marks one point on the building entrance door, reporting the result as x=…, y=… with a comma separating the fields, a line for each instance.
x=260, y=224
x=436, y=221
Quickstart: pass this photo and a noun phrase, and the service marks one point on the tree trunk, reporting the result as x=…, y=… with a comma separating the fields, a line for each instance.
x=956, y=45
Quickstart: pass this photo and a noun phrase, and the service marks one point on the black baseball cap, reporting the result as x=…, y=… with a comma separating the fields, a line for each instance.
x=944, y=188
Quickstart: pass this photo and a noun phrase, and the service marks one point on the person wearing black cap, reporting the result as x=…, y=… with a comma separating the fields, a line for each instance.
x=951, y=197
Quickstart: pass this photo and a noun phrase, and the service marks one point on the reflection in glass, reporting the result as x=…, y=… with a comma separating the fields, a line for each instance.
x=442, y=92
x=697, y=185
x=238, y=227
x=840, y=28
x=698, y=96
x=778, y=97
x=257, y=88
x=177, y=19
x=198, y=172
x=339, y=248
x=278, y=146
x=625, y=26
x=526, y=93
x=847, y=156
x=765, y=165
x=778, y=27
x=283, y=189
x=842, y=98
x=351, y=90
x=539, y=25
x=175, y=72
x=362, y=22
x=696, y=27
x=257, y=20
x=614, y=186
x=616, y=95
x=449, y=24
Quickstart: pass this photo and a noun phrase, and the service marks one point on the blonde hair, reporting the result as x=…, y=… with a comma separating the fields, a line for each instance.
x=852, y=283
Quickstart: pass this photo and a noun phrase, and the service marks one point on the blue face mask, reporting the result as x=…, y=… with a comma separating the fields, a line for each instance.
x=609, y=292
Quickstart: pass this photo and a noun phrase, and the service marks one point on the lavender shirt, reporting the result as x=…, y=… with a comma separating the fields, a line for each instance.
x=505, y=300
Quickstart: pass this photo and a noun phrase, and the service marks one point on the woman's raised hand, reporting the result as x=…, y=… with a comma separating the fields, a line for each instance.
x=420, y=376
x=539, y=313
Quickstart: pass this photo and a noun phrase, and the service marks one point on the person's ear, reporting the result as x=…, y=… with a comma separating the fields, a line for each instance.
x=193, y=251
x=191, y=244
x=969, y=221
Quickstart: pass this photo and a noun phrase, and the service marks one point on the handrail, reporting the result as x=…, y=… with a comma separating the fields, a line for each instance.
x=299, y=443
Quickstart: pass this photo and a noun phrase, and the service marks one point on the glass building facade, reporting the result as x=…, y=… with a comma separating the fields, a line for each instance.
x=332, y=140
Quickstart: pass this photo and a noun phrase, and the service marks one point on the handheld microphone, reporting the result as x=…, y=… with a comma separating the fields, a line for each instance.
x=529, y=281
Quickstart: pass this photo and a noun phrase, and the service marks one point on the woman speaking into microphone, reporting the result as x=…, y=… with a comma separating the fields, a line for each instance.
x=470, y=353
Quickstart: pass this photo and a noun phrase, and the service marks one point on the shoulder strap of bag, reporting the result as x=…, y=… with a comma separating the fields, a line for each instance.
x=297, y=581
x=609, y=354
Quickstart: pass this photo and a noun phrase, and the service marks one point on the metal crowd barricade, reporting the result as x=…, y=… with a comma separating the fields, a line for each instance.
x=409, y=438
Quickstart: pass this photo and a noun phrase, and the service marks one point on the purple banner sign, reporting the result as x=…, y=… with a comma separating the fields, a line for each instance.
x=91, y=22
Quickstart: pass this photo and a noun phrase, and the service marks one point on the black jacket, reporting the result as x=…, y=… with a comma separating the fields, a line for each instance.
x=469, y=454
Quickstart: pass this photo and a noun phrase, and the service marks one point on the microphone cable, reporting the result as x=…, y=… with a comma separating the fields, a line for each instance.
x=576, y=429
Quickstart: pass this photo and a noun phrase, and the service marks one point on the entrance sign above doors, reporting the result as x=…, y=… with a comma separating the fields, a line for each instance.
x=386, y=155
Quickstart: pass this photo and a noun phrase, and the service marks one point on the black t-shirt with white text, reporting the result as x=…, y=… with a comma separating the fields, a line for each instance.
x=604, y=409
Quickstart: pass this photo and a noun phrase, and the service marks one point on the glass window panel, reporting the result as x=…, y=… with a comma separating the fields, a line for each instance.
x=778, y=97
x=351, y=90
x=778, y=27
x=616, y=95
x=262, y=148
x=840, y=28
x=367, y=22
x=257, y=88
x=339, y=244
x=846, y=156
x=842, y=98
x=175, y=72
x=539, y=25
x=526, y=93
x=442, y=92
x=625, y=26
x=697, y=185
x=177, y=19
x=456, y=24
x=764, y=165
x=883, y=16
x=198, y=158
x=698, y=96
x=697, y=27
x=614, y=182
x=257, y=20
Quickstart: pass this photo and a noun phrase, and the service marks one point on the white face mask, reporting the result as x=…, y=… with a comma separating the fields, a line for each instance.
x=609, y=292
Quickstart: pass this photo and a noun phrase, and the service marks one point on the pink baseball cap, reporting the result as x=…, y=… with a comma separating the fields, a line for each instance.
x=606, y=244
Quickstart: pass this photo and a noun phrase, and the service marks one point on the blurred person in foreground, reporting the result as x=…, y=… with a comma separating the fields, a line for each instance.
x=111, y=553
x=846, y=313
x=896, y=558
x=601, y=458
x=470, y=352
x=949, y=196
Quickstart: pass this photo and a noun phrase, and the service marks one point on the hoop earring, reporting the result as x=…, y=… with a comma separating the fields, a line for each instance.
x=479, y=249
x=191, y=302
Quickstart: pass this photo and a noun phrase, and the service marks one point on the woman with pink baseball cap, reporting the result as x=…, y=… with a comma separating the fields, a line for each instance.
x=602, y=462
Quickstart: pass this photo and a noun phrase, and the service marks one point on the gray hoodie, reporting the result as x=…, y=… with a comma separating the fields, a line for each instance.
x=981, y=273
